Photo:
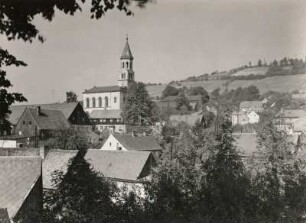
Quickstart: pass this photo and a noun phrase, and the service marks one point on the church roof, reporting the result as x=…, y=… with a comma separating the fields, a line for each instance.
x=102, y=89
x=127, y=54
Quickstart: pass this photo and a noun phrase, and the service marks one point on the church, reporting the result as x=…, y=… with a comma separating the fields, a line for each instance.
x=104, y=104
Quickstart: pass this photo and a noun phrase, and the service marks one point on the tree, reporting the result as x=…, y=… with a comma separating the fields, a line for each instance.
x=226, y=185
x=81, y=196
x=259, y=63
x=199, y=91
x=170, y=91
x=7, y=98
x=138, y=108
x=182, y=103
x=71, y=97
x=68, y=139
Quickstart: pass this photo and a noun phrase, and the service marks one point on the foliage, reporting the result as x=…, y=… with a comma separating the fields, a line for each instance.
x=182, y=103
x=138, y=108
x=81, y=195
x=67, y=139
x=170, y=91
x=7, y=98
x=71, y=97
x=199, y=90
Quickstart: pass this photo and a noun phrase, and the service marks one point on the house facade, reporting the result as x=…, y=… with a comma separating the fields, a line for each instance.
x=245, y=117
x=104, y=104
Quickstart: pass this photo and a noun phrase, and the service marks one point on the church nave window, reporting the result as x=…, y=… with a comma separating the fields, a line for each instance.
x=93, y=102
x=100, y=102
x=106, y=102
x=87, y=102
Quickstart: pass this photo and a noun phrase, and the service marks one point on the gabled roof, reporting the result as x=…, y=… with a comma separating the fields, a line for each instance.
x=105, y=114
x=119, y=165
x=56, y=160
x=140, y=143
x=251, y=104
x=188, y=119
x=19, y=152
x=18, y=175
x=49, y=119
x=246, y=143
x=294, y=113
x=66, y=108
x=127, y=54
x=101, y=89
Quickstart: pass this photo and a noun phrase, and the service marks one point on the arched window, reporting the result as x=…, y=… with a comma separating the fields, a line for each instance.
x=115, y=99
x=93, y=102
x=106, y=102
x=122, y=64
x=87, y=102
x=127, y=64
x=100, y=102
x=122, y=76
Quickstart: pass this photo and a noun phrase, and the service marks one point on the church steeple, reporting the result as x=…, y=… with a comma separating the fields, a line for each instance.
x=126, y=61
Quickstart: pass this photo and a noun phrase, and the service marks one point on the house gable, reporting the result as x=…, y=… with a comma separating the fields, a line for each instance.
x=113, y=144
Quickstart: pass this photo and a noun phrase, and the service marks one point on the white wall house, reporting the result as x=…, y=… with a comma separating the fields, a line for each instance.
x=245, y=117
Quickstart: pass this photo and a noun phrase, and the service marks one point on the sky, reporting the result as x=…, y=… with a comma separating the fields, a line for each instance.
x=170, y=40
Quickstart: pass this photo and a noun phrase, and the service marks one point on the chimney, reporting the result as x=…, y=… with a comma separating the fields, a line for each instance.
x=43, y=151
x=38, y=110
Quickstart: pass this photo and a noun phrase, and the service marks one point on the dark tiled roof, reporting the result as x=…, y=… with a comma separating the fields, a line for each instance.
x=19, y=152
x=251, y=104
x=56, y=160
x=140, y=143
x=127, y=54
x=49, y=119
x=65, y=108
x=105, y=114
x=18, y=175
x=297, y=113
x=102, y=89
x=4, y=218
x=120, y=165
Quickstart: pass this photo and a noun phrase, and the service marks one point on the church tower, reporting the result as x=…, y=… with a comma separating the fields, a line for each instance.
x=126, y=62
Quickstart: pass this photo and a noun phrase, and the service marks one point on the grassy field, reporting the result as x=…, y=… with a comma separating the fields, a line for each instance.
x=253, y=70
x=276, y=83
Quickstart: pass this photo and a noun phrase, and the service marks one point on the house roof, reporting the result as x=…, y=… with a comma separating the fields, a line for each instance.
x=188, y=119
x=127, y=53
x=101, y=89
x=4, y=218
x=120, y=165
x=19, y=152
x=251, y=104
x=246, y=143
x=56, y=159
x=49, y=119
x=140, y=143
x=18, y=175
x=66, y=108
x=105, y=114
x=294, y=113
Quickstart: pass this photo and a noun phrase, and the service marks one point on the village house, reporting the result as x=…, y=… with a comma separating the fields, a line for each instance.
x=21, y=187
x=291, y=121
x=245, y=117
x=72, y=111
x=256, y=106
x=39, y=123
x=132, y=142
x=129, y=169
x=104, y=104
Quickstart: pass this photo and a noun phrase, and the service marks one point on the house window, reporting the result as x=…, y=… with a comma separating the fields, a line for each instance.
x=100, y=102
x=30, y=123
x=122, y=64
x=93, y=102
x=24, y=122
x=127, y=64
x=115, y=99
x=110, y=144
x=106, y=102
x=87, y=102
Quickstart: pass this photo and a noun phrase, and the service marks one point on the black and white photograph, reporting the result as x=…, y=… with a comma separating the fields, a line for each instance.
x=152, y=111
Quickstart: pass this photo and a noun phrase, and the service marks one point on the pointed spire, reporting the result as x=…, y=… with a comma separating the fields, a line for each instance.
x=127, y=54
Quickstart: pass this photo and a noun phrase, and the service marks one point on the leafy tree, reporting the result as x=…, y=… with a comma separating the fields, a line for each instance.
x=71, y=97
x=68, y=139
x=182, y=103
x=199, y=91
x=7, y=98
x=226, y=185
x=259, y=63
x=81, y=195
x=138, y=108
x=170, y=91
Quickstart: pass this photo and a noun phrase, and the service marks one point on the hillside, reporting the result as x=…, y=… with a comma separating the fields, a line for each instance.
x=252, y=70
x=275, y=83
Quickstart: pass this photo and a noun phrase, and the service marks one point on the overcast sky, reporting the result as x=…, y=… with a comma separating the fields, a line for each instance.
x=170, y=40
